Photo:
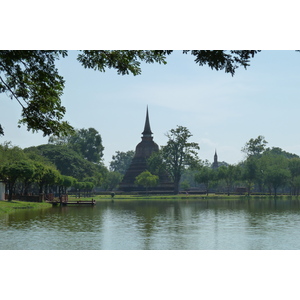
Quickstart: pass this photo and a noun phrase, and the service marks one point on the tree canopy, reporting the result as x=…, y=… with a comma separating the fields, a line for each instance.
x=21, y=170
x=86, y=142
x=121, y=161
x=146, y=179
x=255, y=146
x=32, y=79
x=174, y=157
x=206, y=175
x=68, y=161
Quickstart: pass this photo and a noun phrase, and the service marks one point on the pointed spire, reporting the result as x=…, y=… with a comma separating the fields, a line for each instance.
x=215, y=163
x=147, y=130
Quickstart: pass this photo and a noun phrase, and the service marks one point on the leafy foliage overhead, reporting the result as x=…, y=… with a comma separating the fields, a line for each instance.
x=223, y=60
x=124, y=61
x=31, y=78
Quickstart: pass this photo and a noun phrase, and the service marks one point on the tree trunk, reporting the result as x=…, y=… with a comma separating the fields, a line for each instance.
x=10, y=196
x=41, y=188
x=228, y=190
x=206, y=187
x=177, y=177
x=176, y=187
x=10, y=190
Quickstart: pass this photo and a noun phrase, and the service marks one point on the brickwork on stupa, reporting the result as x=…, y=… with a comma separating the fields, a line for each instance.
x=138, y=165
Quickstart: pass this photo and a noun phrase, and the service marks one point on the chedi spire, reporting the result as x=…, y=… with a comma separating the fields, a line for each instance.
x=143, y=151
x=147, y=130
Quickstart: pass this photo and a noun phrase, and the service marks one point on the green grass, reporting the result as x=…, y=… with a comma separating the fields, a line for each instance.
x=7, y=207
x=127, y=197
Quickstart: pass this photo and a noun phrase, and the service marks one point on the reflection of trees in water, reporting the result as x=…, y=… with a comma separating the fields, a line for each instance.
x=172, y=219
x=271, y=205
x=80, y=219
x=22, y=218
x=269, y=215
x=144, y=215
x=166, y=224
x=145, y=212
x=66, y=218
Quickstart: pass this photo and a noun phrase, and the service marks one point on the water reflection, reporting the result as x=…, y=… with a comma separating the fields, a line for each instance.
x=146, y=225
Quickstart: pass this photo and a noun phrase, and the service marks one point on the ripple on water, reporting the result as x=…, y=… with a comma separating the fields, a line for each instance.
x=156, y=225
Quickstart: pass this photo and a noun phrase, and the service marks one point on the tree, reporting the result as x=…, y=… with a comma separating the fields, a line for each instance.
x=294, y=168
x=112, y=180
x=31, y=78
x=206, y=175
x=146, y=179
x=65, y=182
x=86, y=142
x=10, y=172
x=229, y=174
x=126, y=62
x=250, y=172
x=67, y=161
x=156, y=164
x=11, y=153
x=275, y=171
x=276, y=177
x=47, y=175
x=295, y=183
x=121, y=161
x=255, y=147
x=178, y=154
x=188, y=176
x=83, y=186
x=79, y=186
x=279, y=151
x=88, y=187
x=185, y=185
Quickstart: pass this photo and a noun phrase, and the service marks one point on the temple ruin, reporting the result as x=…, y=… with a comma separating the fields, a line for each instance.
x=139, y=164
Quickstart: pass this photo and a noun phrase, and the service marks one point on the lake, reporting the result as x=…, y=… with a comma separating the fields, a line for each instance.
x=157, y=225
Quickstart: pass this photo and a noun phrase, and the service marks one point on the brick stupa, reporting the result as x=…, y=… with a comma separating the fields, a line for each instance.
x=138, y=165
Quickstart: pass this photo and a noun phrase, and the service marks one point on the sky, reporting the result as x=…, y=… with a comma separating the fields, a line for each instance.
x=221, y=111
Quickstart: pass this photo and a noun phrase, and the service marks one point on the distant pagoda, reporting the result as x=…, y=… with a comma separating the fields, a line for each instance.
x=138, y=165
x=215, y=163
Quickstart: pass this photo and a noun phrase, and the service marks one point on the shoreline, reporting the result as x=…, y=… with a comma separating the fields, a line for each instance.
x=7, y=207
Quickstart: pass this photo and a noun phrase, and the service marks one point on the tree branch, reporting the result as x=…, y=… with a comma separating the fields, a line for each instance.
x=14, y=95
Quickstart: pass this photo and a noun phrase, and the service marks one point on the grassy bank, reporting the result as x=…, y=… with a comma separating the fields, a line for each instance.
x=123, y=197
x=9, y=207
x=12, y=206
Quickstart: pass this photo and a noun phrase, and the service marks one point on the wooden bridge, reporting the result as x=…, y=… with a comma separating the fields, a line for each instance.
x=56, y=202
x=64, y=201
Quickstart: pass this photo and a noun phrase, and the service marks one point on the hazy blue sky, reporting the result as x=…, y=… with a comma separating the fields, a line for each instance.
x=222, y=112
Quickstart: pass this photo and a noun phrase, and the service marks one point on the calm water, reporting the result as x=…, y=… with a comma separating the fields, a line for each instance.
x=136, y=225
